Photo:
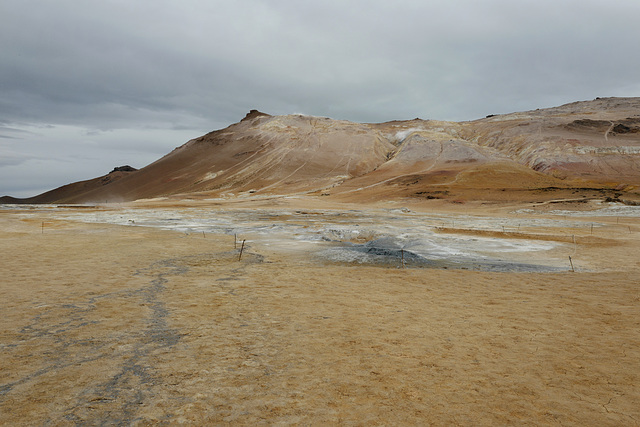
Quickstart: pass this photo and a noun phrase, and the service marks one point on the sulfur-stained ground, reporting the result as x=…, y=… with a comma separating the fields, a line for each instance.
x=105, y=324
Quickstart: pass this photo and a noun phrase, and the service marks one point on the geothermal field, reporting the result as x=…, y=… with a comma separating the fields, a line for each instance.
x=153, y=313
x=298, y=270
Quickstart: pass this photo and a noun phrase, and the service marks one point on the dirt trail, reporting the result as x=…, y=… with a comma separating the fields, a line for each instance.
x=418, y=172
x=608, y=131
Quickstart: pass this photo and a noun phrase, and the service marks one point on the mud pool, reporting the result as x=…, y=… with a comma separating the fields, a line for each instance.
x=387, y=237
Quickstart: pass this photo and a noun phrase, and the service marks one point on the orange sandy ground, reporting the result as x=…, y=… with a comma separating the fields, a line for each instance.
x=104, y=324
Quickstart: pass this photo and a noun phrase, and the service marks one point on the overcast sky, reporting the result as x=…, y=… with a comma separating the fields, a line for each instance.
x=89, y=85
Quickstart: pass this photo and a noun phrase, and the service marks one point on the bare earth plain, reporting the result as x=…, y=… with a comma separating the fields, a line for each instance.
x=130, y=325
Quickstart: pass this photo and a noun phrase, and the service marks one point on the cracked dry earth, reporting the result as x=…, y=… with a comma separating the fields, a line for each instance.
x=104, y=324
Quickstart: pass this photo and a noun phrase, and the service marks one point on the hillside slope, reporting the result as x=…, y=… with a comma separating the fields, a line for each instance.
x=593, y=146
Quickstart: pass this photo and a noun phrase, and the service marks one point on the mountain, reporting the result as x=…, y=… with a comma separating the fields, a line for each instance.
x=587, y=149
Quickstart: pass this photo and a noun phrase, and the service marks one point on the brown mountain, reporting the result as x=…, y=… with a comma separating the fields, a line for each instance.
x=581, y=150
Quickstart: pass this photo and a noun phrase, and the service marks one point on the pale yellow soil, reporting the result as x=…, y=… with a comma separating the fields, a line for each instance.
x=107, y=324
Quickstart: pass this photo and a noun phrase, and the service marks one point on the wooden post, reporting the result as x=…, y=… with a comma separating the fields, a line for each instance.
x=42, y=227
x=241, y=249
x=235, y=241
x=571, y=262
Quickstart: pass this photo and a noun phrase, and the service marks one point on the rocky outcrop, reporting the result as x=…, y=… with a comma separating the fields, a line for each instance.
x=125, y=168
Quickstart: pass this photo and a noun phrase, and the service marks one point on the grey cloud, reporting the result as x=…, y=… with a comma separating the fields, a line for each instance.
x=13, y=159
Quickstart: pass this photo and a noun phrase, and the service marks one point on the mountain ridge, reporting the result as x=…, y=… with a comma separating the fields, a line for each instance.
x=592, y=145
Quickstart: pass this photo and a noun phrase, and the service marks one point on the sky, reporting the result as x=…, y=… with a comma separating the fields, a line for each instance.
x=87, y=85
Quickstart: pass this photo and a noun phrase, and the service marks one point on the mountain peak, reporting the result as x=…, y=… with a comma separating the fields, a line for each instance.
x=252, y=114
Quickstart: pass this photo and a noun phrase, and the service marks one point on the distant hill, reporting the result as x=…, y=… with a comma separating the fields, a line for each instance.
x=588, y=149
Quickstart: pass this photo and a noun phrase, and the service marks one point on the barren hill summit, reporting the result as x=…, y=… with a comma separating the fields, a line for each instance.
x=584, y=149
